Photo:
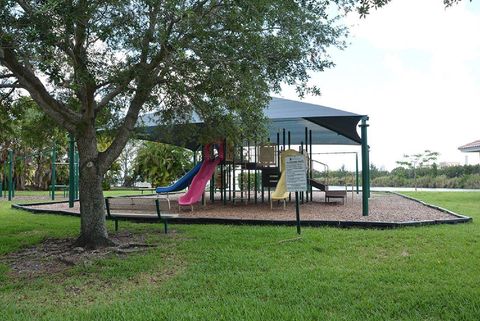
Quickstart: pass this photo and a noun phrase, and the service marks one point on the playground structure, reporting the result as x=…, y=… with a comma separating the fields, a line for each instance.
x=207, y=169
x=250, y=170
x=182, y=183
x=7, y=185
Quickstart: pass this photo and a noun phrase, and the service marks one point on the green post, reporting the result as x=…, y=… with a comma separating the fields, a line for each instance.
x=297, y=213
x=368, y=170
x=356, y=171
x=6, y=178
x=54, y=174
x=1, y=186
x=365, y=167
x=10, y=174
x=71, y=170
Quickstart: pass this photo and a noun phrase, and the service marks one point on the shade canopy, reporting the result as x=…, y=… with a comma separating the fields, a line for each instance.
x=329, y=126
x=471, y=147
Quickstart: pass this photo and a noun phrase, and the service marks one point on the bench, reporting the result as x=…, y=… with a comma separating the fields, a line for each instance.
x=63, y=188
x=130, y=207
x=147, y=189
x=335, y=194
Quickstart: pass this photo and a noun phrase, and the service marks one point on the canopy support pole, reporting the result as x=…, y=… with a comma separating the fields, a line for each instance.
x=10, y=174
x=365, y=168
x=356, y=171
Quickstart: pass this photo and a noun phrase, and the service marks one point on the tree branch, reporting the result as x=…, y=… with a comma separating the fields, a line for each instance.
x=55, y=109
x=15, y=85
x=7, y=76
x=25, y=6
x=109, y=96
x=106, y=158
x=5, y=96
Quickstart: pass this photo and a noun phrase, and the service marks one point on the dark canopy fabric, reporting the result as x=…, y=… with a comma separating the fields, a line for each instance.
x=329, y=126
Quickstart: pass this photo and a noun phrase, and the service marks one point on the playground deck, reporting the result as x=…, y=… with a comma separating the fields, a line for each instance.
x=386, y=209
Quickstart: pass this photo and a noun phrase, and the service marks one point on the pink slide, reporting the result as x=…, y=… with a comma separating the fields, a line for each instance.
x=195, y=191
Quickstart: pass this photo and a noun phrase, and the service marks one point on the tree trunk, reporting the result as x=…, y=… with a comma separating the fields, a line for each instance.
x=93, y=232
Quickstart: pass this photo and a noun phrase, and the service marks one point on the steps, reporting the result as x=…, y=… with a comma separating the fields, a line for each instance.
x=318, y=185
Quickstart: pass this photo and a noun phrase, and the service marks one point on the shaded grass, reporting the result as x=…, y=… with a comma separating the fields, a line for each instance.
x=248, y=273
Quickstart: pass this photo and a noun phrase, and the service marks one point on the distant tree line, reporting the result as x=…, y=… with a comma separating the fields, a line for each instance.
x=433, y=176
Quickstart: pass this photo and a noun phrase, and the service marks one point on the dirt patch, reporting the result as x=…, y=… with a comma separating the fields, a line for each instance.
x=54, y=256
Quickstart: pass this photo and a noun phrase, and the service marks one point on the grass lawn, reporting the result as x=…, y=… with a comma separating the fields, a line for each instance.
x=212, y=272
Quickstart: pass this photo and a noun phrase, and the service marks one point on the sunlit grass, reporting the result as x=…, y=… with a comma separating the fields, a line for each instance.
x=251, y=273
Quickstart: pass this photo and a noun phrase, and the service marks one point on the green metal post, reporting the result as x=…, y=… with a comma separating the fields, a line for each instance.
x=6, y=178
x=241, y=171
x=226, y=167
x=301, y=193
x=278, y=149
x=297, y=213
x=248, y=173
x=1, y=186
x=289, y=141
x=311, y=164
x=234, y=174
x=368, y=170
x=306, y=152
x=10, y=174
x=356, y=170
x=256, y=171
x=71, y=171
x=54, y=174
x=365, y=167
x=212, y=179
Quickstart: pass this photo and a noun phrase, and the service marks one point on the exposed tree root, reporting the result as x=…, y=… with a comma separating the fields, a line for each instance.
x=92, y=244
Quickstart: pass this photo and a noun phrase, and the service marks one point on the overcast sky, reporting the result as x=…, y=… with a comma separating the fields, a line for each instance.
x=414, y=68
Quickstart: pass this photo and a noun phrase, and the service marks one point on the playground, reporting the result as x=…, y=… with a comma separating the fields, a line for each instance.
x=245, y=182
x=386, y=210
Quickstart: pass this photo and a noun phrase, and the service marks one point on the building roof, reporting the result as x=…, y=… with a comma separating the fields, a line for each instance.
x=471, y=147
x=329, y=126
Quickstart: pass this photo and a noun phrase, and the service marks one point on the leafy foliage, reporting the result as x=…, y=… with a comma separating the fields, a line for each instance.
x=365, y=6
x=31, y=135
x=161, y=164
x=218, y=58
x=417, y=161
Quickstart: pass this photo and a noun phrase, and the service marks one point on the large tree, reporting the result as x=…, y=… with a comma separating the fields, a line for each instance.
x=82, y=61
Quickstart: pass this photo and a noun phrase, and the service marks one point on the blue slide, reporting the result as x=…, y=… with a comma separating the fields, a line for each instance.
x=183, y=182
